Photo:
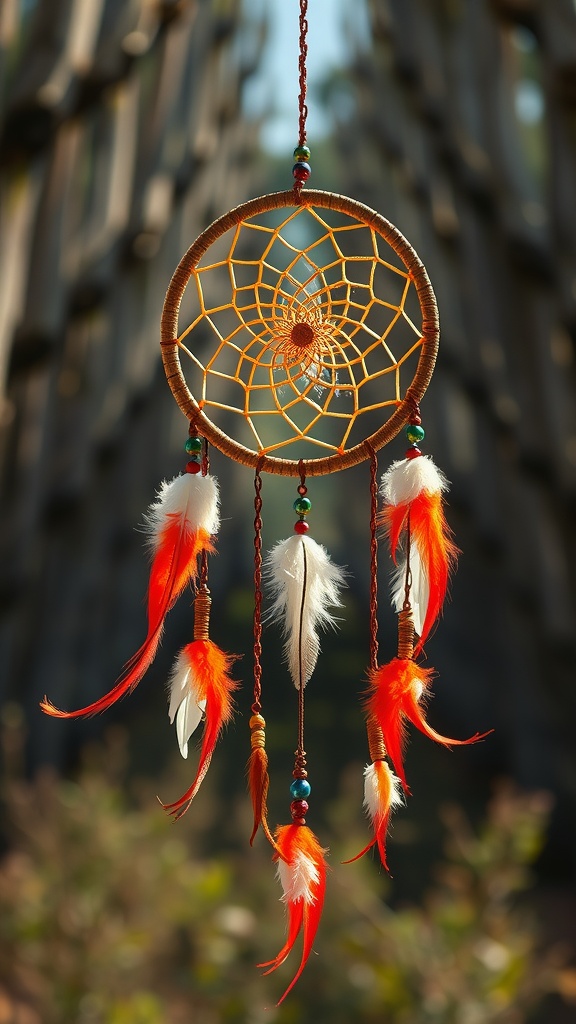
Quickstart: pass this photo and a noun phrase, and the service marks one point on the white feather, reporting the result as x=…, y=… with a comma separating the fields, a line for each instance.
x=298, y=878
x=184, y=703
x=372, y=796
x=190, y=495
x=406, y=479
x=419, y=587
x=305, y=584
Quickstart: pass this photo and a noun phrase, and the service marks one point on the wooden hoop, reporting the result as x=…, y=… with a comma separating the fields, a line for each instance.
x=426, y=361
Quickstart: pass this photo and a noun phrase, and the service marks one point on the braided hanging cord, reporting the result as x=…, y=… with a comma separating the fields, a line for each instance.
x=257, y=706
x=302, y=56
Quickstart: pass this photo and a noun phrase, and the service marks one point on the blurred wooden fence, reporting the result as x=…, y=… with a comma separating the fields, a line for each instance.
x=465, y=136
x=121, y=138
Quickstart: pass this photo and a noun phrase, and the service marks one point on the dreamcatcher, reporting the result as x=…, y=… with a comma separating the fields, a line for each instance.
x=299, y=333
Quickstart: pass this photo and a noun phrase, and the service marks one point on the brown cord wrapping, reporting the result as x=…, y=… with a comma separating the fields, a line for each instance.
x=375, y=739
x=406, y=633
x=202, y=603
x=257, y=732
x=428, y=348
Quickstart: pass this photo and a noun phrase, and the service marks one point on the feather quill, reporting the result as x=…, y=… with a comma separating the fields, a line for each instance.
x=179, y=524
x=304, y=584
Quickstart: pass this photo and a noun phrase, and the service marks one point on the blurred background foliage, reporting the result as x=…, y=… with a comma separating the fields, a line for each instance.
x=126, y=126
x=109, y=913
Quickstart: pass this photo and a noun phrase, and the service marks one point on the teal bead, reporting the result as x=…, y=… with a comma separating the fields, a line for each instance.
x=300, y=789
x=302, y=153
x=302, y=506
x=193, y=445
x=414, y=433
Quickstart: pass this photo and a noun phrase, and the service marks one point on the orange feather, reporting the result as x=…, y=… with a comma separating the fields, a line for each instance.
x=209, y=674
x=397, y=694
x=258, y=784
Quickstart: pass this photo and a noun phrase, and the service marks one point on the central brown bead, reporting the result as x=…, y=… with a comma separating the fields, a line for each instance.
x=301, y=335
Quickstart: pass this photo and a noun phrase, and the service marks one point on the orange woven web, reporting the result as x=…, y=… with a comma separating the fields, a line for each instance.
x=304, y=328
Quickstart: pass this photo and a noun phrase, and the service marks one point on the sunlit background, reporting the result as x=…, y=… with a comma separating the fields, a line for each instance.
x=126, y=127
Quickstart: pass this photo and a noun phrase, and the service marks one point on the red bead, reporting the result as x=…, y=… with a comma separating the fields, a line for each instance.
x=301, y=526
x=299, y=821
x=298, y=808
x=413, y=453
x=301, y=171
x=302, y=490
x=193, y=467
x=415, y=420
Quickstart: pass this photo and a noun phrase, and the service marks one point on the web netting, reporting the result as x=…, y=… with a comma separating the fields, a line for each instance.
x=300, y=331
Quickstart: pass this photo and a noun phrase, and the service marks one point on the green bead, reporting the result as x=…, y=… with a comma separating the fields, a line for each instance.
x=302, y=153
x=302, y=506
x=193, y=445
x=414, y=433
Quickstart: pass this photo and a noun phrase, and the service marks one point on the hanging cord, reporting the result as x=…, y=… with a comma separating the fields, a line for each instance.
x=302, y=73
x=373, y=559
x=300, y=754
x=256, y=706
x=376, y=746
x=406, y=630
x=301, y=170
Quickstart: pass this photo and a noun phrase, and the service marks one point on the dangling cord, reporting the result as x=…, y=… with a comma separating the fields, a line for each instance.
x=375, y=736
x=373, y=559
x=203, y=579
x=258, y=764
x=197, y=448
x=300, y=788
x=406, y=630
x=301, y=170
x=256, y=706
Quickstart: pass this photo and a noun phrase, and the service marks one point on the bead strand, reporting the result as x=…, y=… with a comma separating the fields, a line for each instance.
x=301, y=170
x=414, y=433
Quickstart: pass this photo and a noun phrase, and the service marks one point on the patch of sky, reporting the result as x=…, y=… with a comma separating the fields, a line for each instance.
x=337, y=31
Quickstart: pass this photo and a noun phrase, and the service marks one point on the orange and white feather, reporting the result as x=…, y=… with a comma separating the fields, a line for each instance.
x=302, y=874
x=305, y=584
x=382, y=795
x=200, y=687
x=412, y=490
x=180, y=525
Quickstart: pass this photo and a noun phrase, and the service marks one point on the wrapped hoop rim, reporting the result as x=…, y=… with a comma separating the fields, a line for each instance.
x=426, y=361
